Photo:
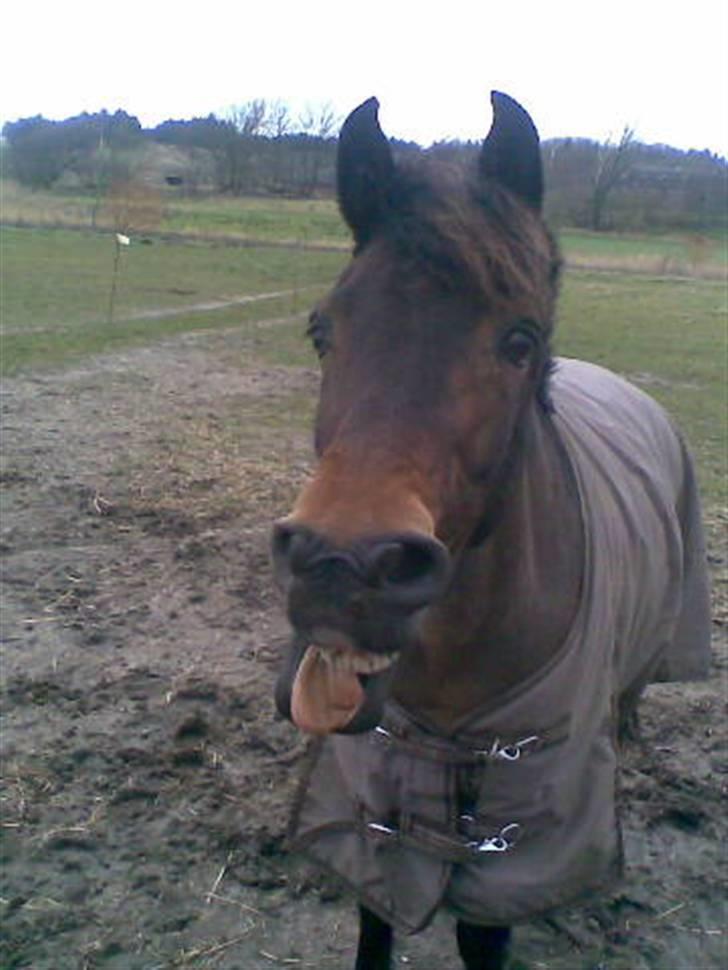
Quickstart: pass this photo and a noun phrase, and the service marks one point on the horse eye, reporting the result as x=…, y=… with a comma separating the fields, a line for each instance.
x=518, y=346
x=320, y=344
x=319, y=332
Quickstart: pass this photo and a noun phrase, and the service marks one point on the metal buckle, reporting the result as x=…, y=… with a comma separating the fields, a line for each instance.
x=508, y=752
x=503, y=842
x=379, y=828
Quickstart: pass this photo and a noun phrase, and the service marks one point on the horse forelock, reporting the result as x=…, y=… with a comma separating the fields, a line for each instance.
x=470, y=236
x=449, y=229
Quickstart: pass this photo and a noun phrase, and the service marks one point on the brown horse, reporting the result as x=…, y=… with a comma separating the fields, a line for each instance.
x=496, y=553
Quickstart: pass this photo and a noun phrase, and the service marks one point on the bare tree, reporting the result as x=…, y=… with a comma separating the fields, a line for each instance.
x=318, y=120
x=319, y=123
x=613, y=163
x=249, y=118
x=235, y=152
x=279, y=120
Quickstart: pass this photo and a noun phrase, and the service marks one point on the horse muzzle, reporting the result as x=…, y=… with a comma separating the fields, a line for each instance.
x=352, y=612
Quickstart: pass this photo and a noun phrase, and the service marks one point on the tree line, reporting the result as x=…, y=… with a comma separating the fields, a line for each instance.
x=261, y=147
x=257, y=147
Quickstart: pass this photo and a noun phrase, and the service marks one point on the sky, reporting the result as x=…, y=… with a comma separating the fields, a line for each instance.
x=581, y=69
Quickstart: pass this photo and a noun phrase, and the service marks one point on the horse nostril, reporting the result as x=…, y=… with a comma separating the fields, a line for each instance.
x=291, y=545
x=411, y=570
x=400, y=564
x=281, y=540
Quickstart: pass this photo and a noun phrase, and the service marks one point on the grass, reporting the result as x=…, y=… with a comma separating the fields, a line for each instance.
x=306, y=221
x=690, y=255
x=669, y=336
x=47, y=272
x=290, y=220
x=55, y=286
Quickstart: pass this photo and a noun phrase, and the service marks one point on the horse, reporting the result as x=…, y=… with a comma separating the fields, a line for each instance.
x=497, y=551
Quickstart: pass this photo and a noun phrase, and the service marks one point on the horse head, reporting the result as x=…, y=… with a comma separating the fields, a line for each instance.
x=434, y=347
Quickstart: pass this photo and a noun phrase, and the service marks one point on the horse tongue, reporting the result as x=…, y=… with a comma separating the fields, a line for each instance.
x=323, y=699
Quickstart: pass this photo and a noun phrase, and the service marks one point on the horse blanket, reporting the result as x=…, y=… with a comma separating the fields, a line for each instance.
x=515, y=813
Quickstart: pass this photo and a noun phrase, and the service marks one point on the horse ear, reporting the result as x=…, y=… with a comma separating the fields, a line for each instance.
x=511, y=153
x=364, y=171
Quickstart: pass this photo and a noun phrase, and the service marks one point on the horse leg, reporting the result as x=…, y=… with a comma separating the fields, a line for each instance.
x=375, y=942
x=483, y=947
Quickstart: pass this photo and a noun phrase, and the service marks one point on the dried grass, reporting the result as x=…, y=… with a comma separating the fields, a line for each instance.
x=650, y=265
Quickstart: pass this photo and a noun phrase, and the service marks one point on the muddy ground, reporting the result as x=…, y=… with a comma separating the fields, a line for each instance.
x=146, y=777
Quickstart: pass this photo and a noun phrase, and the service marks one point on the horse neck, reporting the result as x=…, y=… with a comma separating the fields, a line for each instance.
x=513, y=597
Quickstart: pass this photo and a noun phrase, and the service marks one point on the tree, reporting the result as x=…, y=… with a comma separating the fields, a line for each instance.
x=279, y=119
x=318, y=120
x=613, y=163
x=40, y=151
x=193, y=133
x=315, y=149
x=33, y=153
x=241, y=136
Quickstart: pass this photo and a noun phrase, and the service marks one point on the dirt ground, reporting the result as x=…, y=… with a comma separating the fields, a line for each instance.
x=146, y=777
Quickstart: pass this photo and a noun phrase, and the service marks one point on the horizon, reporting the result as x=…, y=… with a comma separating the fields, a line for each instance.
x=150, y=126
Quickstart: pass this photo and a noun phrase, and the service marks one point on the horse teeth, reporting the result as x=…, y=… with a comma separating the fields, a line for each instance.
x=319, y=653
x=373, y=664
x=347, y=661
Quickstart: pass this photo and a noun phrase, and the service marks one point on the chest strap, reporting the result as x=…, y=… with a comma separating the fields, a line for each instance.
x=396, y=732
x=446, y=845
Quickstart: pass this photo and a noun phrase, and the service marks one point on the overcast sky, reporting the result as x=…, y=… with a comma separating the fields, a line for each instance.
x=582, y=69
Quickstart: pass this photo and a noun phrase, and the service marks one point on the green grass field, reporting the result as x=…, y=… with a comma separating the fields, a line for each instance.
x=666, y=332
x=56, y=288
